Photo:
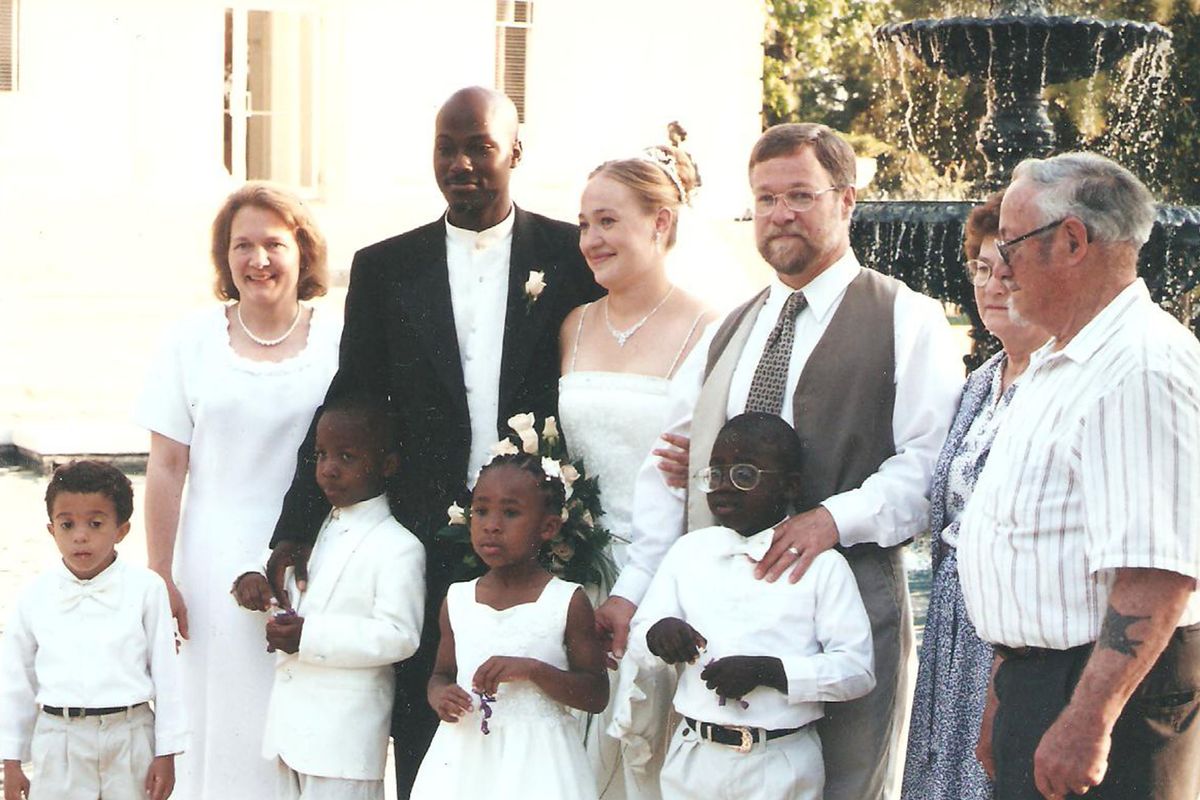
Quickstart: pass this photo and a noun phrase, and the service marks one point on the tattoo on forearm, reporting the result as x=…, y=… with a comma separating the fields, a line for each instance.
x=1114, y=633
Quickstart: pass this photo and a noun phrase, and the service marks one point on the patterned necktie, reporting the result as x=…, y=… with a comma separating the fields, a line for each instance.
x=770, y=377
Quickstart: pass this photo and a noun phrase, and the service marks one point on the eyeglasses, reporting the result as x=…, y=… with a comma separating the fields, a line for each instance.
x=796, y=200
x=1006, y=248
x=741, y=476
x=979, y=272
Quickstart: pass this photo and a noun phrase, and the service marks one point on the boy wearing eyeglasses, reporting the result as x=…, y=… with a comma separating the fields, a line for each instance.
x=760, y=658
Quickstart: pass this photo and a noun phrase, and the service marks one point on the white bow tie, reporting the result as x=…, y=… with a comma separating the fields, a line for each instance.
x=753, y=547
x=73, y=592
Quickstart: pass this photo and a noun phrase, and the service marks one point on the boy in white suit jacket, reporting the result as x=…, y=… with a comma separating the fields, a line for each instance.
x=360, y=612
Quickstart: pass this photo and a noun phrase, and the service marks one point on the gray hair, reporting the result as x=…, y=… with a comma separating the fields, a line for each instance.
x=1110, y=201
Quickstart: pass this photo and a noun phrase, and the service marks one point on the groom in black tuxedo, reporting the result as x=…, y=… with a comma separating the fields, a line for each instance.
x=447, y=322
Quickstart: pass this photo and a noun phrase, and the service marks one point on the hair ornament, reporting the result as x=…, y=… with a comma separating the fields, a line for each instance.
x=666, y=162
x=579, y=552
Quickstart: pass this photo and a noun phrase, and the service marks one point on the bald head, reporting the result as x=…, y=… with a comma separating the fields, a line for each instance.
x=475, y=150
x=479, y=102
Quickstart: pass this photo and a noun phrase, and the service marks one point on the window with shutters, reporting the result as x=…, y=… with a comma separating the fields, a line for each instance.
x=8, y=45
x=272, y=82
x=514, y=18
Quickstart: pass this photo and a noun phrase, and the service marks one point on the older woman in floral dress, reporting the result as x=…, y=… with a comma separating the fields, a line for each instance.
x=955, y=664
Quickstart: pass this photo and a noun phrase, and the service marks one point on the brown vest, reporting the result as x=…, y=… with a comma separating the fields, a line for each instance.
x=843, y=401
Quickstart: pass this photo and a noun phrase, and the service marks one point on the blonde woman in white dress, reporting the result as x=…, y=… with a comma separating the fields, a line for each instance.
x=618, y=355
x=227, y=405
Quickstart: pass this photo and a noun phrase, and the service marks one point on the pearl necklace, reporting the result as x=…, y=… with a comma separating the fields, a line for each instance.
x=623, y=336
x=269, y=342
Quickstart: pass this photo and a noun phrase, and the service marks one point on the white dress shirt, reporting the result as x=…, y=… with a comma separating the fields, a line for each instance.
x=892, y=505
x=817, y=627
x=478, y=265
x=99, y=643
x=1097, y=468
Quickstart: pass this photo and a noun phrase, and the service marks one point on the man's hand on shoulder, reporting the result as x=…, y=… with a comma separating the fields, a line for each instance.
x=286, y=554
x=797, y=542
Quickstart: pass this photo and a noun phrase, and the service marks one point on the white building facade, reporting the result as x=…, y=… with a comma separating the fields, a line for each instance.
x=124, y=123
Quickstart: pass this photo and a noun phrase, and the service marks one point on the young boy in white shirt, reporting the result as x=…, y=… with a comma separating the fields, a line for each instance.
x=360, y=612
x=90, y=644
x=760, y=659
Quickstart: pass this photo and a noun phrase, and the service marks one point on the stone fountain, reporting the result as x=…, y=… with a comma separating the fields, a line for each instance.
x=1017, y=52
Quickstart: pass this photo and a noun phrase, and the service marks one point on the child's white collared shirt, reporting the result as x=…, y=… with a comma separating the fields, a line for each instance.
x=99, y=643
x=817, y=627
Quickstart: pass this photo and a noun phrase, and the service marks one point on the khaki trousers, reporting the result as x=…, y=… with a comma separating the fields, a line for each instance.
x=787, y=768
x=292, y=785
x=85, y=758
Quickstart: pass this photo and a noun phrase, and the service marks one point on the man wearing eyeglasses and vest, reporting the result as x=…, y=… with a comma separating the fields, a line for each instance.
x=1080, y=549
x=867, y=372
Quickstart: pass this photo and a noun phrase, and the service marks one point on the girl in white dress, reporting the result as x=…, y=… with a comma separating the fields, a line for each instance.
x=518, y=647
x=227, y=404
x=618, y=356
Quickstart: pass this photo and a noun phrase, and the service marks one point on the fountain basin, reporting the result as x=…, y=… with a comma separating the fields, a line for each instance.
x=1036, y=50
x=920, y=243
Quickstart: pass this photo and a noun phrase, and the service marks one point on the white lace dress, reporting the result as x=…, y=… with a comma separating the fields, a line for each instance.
x=532, y=748
x=243, y=421
x=611, y=420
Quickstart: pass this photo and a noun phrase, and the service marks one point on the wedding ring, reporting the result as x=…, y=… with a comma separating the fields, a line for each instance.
x=794, y=550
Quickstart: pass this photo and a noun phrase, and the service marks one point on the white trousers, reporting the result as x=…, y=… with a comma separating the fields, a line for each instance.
x=85, y=758
x=787, y=768
x=292, y=785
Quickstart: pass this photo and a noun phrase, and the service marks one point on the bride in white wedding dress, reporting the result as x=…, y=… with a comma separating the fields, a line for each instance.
x=618, y=357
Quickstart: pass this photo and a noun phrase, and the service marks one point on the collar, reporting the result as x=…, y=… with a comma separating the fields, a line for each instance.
x=484, y=239
x=364, y=512
x=1100, y=329
x=107, y=575
x=823, y=291
x=753, y=547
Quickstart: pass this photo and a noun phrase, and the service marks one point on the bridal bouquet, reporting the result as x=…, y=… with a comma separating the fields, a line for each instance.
x=579, y=553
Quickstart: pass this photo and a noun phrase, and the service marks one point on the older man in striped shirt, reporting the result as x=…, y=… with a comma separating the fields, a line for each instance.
x=1080, y=550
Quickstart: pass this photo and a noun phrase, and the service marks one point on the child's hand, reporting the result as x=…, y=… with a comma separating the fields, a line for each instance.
x=252, y=591
x=674, y=641
x=16, y=785
x=503, y=669
x=283, y=632
x=160, y=780
x=736, y=676
x=450, y=702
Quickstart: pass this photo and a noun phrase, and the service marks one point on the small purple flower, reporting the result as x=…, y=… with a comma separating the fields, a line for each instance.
x=485, y=701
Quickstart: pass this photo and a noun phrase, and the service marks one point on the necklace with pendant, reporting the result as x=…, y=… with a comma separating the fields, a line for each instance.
x=268, y=342
x=623, y=336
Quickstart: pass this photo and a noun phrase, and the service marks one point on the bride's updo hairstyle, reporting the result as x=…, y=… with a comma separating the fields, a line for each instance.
x=660, y=177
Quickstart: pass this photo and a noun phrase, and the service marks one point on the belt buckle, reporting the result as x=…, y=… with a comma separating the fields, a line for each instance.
x=747, y=738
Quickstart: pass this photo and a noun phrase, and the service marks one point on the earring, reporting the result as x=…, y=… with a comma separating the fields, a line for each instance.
x=656, y=235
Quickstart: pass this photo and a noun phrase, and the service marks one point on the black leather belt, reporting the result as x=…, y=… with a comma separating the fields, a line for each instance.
x=72, y=713
x=738, y=736
x=1004, y=651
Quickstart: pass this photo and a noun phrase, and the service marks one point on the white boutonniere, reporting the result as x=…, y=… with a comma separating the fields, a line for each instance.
x=535, y=284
